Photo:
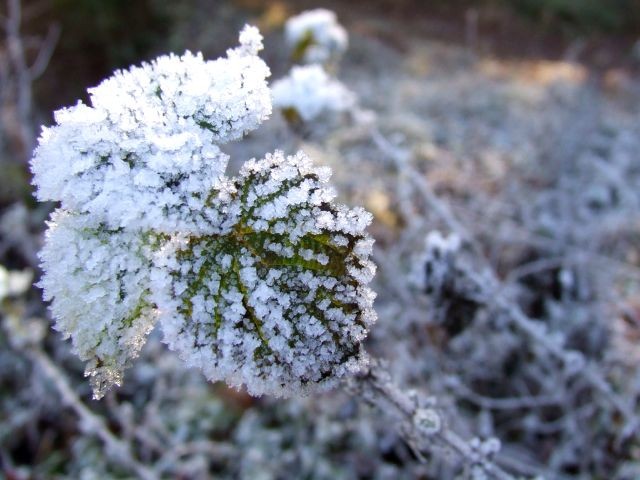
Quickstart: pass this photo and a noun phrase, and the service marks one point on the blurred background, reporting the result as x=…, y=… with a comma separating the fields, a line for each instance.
x=522, y=120
x=83, y=41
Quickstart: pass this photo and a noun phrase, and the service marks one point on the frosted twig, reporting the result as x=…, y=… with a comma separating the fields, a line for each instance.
x=423, y=427
x=491, y=286
x=89, y=421
x=511, y=403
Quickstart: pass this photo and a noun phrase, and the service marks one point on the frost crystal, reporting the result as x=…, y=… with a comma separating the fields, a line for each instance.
x=309, y=92
x=98, y=280
x=275, y=302
x=144, y=153
x=258, y=280
x=428, y=421
x=315, y=36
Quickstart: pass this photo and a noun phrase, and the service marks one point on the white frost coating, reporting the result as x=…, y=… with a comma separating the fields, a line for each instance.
x=97, y=281
x=312, y=93
x=436, y=264
x=144, y=153
x=259, y=280
x=315, y=36
x=14, y=282
x=291, y=308
x=428, y=421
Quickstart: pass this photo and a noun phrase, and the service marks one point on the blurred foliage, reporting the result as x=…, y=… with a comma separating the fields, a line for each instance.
x=571, y=16
x=583, y=15
x=99, y=36
x=14, y=183
x=116, y=31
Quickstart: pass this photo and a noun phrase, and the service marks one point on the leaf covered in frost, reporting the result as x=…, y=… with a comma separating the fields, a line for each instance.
x=98, y=281
x=279, y=301
x=258, y=280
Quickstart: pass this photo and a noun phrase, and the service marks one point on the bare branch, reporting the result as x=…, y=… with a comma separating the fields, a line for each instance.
x=46, y=51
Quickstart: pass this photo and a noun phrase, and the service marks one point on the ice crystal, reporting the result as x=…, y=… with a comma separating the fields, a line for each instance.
x=145, y=153
x=259, y=280
x=315, y=36
x=98, y=281
x=275, y=302
x=428, y=421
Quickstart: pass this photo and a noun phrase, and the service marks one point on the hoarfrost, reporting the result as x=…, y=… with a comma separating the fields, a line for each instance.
x=259, y=280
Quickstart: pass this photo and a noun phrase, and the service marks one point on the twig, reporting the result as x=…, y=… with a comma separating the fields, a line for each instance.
x=511, y=403
x=421, y=431
x=23, y=78
x=491, y=286
x=41, y=62
x=18, y=76
x=89, y=421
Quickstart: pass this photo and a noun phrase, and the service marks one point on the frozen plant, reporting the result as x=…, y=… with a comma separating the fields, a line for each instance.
x=259, y=280
x=311, y=94
x=14, y=282
x=98, y=279
x=145, y=153
x=435, y=268
x=308, y=93
x=278, y=301
x=315, y=36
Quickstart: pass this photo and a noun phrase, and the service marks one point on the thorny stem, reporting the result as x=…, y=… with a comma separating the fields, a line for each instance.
x=118, y=449
x=376, y=387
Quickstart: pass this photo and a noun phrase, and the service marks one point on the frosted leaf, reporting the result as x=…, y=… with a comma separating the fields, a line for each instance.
x=14, y=282
x=274, y=303
x=145, y=153
x=98, y=282
x=309, y=93
x=315, y=36
x=258, y=280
